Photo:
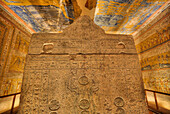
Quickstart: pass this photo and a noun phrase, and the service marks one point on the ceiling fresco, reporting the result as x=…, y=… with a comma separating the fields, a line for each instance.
x=43, y=15
x=114, y=16
x=125, y=16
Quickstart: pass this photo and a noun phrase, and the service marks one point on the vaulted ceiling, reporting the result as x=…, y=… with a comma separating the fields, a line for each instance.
x=114, y=16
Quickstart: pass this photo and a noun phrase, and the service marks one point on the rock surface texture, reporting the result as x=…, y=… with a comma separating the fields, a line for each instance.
x=82, y=71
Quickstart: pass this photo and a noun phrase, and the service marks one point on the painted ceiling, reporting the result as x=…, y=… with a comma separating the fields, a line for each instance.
x=114, y=16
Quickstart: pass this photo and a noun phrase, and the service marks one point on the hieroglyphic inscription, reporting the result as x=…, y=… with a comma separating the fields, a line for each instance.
x=120, y=111
x=64, y=45
x=119, y=102
x=82, y=71
x=83, y=80
x=84, y=104
x=54, y=105
x=81, y=84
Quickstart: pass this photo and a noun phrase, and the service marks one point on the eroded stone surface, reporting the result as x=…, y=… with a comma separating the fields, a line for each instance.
x=86, y=72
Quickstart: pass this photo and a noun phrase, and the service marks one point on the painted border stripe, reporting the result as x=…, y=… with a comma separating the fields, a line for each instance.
x=15, y=15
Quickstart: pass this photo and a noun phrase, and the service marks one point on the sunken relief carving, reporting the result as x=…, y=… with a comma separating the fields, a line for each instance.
x=82, y=72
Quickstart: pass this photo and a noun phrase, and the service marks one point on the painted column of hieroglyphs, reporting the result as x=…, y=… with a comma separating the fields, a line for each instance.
x=14, y=42
x=152, y=44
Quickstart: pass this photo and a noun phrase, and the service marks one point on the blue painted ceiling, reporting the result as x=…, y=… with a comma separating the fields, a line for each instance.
x=114, y=16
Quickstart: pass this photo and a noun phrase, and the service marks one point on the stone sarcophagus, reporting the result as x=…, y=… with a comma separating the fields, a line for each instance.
x=82, y=71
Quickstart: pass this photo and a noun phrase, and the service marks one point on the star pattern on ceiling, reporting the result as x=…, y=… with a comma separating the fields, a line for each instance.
x=114, y=16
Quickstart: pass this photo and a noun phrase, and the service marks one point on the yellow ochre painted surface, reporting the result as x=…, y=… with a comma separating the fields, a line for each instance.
x=15, y=41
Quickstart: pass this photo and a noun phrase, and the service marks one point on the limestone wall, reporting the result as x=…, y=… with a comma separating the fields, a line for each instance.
x=82, y=70
x=14, y=42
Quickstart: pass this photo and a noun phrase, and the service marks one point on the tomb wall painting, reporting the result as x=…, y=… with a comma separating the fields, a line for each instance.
x=152, y=44
x=50, y=16
x=45, y=15
x=125, y=16
x=14, y=42
x=114, y=16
